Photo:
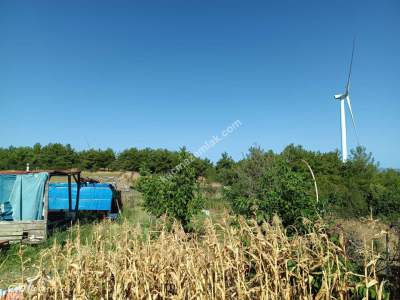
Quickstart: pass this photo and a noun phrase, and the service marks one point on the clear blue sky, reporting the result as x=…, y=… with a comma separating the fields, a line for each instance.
x=170, y=73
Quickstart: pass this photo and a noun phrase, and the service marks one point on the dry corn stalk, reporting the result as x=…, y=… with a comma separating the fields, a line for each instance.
x=248, y=261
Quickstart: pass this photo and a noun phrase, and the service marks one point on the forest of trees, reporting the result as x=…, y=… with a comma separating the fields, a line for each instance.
x=355, y=188
x=59, y=156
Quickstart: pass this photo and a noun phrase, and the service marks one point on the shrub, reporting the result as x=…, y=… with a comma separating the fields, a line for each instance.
x=266, y=185
x=385, y=194
x=225, y=169
x=176, y=194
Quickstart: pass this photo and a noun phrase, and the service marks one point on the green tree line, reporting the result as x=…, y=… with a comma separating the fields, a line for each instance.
x=59, y=156
x=255, y=184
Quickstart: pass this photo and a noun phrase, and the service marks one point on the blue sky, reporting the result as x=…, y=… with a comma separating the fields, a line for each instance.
x=170, y=73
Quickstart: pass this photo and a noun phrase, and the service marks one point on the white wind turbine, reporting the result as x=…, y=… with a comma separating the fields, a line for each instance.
x=342, y=98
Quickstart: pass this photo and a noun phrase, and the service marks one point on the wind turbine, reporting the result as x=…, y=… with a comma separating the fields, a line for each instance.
x=342, y=98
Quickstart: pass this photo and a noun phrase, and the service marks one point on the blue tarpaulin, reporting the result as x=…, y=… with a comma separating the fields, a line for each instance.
x=21, y=196
x=6, y=186
x=92, y=196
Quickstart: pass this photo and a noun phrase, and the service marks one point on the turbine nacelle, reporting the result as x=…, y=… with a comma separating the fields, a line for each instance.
x=341, y=96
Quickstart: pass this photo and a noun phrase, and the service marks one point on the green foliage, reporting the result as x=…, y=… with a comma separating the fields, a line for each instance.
x=224, y=168
x=94, y=160
x=176, y=194
x=15, y=157
x=58, y=156
x=352, y=189
x=156, y=161
x=51, y=156
x=385, y=194
x=211, y=175
x=266, y=185
x=355, y=188
x=202, y=166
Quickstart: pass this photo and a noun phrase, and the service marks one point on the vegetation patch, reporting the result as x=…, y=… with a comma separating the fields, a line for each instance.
x=248, y=261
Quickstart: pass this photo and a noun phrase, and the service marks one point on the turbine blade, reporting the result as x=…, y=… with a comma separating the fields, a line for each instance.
x=352, y=118
x=351, y=66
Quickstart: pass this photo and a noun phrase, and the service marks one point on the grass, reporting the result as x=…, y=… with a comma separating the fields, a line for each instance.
x=10, y=258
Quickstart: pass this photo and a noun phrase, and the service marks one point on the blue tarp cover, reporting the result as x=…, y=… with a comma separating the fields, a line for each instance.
x=6, y=186
x=92, y=196
x=21, y=196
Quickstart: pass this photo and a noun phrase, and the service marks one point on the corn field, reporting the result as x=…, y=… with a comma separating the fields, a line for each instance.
x=241, y=261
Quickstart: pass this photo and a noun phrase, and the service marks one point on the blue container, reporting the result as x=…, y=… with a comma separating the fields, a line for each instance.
x=92, y=197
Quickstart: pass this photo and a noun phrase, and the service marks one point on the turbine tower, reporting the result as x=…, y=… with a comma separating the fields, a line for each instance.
x=342, y=98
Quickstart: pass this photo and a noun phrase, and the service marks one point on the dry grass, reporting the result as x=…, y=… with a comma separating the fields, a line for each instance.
x=366, y=230
x=245, y=261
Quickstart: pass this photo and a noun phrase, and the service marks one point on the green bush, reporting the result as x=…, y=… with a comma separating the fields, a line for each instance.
x=266, y=185
x=225, y=169
x=175, y=194
x=385, y=194
x=352, y=189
